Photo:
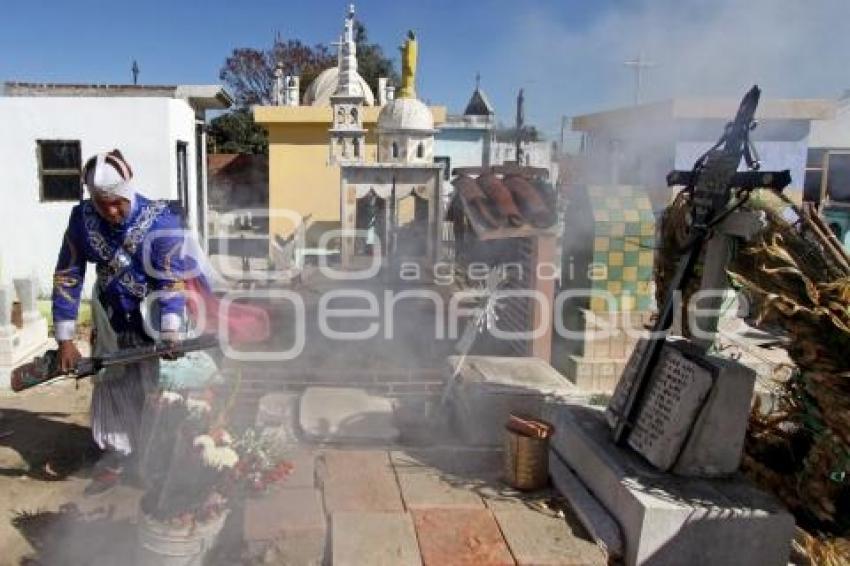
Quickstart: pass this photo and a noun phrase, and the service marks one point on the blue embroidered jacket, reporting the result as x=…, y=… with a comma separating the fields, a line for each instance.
x=125, y=275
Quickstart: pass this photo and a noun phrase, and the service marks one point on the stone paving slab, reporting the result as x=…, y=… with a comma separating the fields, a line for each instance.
x=355, y=480
x=376, y=539
x=345, y=463
x=460, y=537
x=289, y=522
x=428, y=490
x=470, y=462
x=450, y=477
x=539, y=539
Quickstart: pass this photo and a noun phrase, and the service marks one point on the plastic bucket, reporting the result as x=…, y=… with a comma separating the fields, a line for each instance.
x=160, y=544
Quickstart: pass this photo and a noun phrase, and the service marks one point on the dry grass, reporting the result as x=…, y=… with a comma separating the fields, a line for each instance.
x=798, y=284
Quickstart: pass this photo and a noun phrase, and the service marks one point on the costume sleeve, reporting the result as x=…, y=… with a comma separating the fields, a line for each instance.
x=68, y=279
x=169, y=270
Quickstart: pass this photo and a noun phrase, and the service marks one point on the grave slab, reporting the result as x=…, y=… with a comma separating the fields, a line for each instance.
x=539, y=539
x=460, y=537
x=337, y=414
x=379, y=539
x=667, y=519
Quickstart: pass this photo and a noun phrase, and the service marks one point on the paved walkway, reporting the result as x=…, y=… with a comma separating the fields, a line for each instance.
x=435, y=506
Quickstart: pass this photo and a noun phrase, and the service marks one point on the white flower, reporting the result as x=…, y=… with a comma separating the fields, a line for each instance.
x=171, y=397
x=218, y=457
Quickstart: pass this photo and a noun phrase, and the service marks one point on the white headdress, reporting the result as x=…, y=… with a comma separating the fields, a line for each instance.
x=108, y=174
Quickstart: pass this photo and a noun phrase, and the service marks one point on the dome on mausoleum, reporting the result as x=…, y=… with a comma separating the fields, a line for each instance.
x=405, y=115
x=325, y=85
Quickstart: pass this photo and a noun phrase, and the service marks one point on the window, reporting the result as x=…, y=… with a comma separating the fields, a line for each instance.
x=420, y=150
x=395, y=150
x=356, y=143
x=183, y=175
x=813, y=175
x=835, y=165
x=446, y=162
x=59, y=169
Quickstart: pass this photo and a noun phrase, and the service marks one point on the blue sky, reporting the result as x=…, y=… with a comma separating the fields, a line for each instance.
x=567, y=54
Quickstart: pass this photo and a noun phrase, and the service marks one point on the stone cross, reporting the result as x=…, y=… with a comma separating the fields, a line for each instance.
x=718, y=254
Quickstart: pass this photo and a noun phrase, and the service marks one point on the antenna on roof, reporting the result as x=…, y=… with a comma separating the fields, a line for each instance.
x=135, y=70
x=477, y=81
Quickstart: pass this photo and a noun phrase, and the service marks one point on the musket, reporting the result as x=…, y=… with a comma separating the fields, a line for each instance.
x=710, y=183
x=44, y=369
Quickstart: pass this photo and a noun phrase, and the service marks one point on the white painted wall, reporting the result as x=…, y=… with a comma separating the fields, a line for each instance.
x=833, y=133
x=145, y=129
x=538, y=154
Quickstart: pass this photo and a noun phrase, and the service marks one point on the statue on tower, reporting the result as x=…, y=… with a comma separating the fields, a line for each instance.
x=408, y=67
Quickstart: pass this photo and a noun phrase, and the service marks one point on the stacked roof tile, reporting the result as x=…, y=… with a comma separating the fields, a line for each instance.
x=499, y=202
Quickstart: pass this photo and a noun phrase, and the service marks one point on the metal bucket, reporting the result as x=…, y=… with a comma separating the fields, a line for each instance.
x=160, y=544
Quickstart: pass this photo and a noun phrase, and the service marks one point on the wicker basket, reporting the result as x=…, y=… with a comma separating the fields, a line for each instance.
x=526, y=461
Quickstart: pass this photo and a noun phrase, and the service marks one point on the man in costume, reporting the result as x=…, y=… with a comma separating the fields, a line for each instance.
x=110, y=230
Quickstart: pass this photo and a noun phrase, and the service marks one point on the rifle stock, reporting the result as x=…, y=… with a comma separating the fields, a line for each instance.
x=46, y=368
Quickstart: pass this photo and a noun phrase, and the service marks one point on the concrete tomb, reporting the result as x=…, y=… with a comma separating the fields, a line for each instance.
x=665, y=518
x=489, y=388
x=19, y=344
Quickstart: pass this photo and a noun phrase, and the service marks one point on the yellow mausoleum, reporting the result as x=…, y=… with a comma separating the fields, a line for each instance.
x=304, y=172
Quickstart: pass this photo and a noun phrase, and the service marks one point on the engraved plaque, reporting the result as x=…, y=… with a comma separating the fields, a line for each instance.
x=676, y=393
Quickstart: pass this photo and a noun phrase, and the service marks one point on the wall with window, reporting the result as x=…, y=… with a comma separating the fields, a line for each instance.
x=31, y=222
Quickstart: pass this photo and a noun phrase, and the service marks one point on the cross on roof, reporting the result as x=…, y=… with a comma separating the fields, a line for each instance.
x=639, y=64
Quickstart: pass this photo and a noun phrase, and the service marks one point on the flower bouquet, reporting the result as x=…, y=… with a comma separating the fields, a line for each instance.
x=192, y=468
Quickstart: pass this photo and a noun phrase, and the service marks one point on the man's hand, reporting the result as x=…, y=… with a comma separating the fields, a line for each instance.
x=172, y=339
x=69, y=355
